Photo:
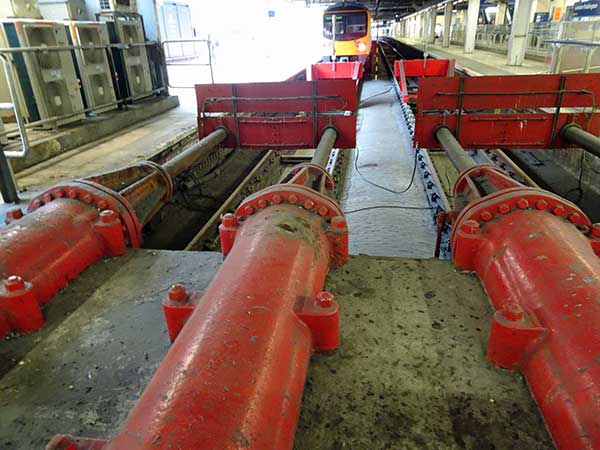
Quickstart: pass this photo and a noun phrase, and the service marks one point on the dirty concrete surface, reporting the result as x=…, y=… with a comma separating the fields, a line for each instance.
x=411, y=372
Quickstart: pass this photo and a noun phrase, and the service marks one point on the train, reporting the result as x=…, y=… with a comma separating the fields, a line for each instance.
x=350, y=38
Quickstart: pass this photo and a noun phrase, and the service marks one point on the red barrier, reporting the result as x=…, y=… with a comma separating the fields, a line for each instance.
x=337, y=70
x=458, y=103
x=284, y=115
x=409, y=68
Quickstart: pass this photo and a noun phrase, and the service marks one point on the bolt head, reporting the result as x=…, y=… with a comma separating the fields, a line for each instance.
x=277, y=199
x=323, y=211
x=14, y=283
x=87, y=198
x=486, y=215
x=262, y=203
x=229, y=220
x=513, y=312
x=309, y=204
x=522, y=203
x=596, y=230
x=541, y=205
x=102, y=205
x=559, y=210
x=338, y=222
x=14, y=213
x=249, y=210
x=325, y=299
x=574, y=218
x=293, y=199
x=177, y=293
x=470, y=227
x=37, y=203
x=108, y=216
x=59, y=193
x=72, y=194
x=503, y=208
x=47, y=197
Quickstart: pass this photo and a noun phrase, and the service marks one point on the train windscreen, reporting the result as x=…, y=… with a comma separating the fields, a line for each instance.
x=348, y=26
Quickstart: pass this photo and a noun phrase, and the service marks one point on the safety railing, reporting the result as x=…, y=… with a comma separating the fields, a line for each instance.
x=576, y=49
x=6, y=55
x=172, y=63
x=496, y=37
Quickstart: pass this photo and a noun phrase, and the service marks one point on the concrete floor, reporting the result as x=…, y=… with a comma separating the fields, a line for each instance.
x=386, y=158
x=410, y=373
x=480, y=62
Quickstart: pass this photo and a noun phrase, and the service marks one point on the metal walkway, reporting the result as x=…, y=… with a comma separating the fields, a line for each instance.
x=383, y=218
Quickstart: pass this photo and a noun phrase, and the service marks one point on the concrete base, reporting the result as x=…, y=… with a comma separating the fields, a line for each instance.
x=411, y=372
x=47, y=144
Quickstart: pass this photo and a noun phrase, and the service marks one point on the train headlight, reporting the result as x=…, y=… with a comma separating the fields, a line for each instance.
x=361, y=46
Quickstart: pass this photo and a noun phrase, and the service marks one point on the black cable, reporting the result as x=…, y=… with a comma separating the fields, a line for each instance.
x=374, y=95
x=365, y=179
x=579, y=187
x=368, y=208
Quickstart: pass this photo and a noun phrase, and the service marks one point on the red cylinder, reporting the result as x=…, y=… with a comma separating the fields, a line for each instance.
x=544, y=264
x=51, y=245
x=235, y=375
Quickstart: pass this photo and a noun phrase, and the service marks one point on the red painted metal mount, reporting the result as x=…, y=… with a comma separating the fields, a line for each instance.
x=537, y=257
x=244, y=345
x=68, y=228
x=466, y=97
x=419, y=68
x=279, y=116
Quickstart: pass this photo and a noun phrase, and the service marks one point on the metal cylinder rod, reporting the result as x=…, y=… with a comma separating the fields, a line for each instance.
x=578, y=136
x=323, y=150
x=8, y=187
x=454, y=150
x=193, y=154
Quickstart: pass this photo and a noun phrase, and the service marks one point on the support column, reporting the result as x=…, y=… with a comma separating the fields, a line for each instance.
x=501, y=14
x=422, y=23
x=447, y=25
x=471, y=25
x=431, y=25
x=518, y=33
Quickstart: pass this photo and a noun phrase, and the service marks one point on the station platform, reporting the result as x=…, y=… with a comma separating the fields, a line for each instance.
x=480, y=62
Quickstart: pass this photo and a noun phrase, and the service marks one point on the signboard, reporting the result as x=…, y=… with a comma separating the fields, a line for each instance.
x=586, y=9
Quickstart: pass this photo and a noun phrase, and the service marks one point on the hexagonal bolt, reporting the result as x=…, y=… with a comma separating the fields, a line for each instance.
x=486, y=215
x=277, y=199
x=541, y=205
x=522, y=203
x=323, y=211
x=309, y=204
x=325, y=299
x=293, y=199
x=262, y=203
x=249, y=210
x=14, y=213
x=229, y=220
x=512, y=312
x=470, y=227
x=14, y=283
x=503, y=208
x=108, y=216
x=559, y=210
x=574, y=218
x=177, y=293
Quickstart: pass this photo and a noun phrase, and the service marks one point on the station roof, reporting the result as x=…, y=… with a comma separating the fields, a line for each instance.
x=385, y=9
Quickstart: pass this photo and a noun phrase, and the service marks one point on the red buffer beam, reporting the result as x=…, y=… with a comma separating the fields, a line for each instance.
x=235, y=374
x=505, y=111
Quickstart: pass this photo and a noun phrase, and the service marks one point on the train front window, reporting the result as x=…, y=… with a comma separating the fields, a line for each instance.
x=348, y=26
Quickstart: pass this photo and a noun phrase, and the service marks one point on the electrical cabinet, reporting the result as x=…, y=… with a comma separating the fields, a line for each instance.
x=64, y=10
x=133, y=61
x=46, y=81
x=27, y=9
x=93, y=65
